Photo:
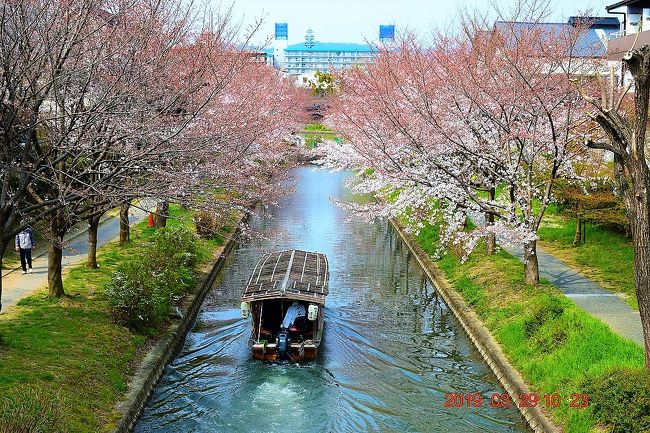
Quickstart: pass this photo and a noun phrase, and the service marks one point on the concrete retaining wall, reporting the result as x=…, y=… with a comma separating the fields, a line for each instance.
x=152, y=367
x=510, y=378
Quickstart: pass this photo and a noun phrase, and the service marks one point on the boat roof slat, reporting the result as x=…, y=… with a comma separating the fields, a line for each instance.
x=302, y=275
x=281, y=273
x=260, y=271
x=286, y=275
x=326, y=274
x=276, y=265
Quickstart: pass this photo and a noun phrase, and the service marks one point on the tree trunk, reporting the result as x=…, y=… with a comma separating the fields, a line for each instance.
x=55, y=255
x=637, y=189
x=531, y=266
x=162, y=211
x=491, y=245
x=125, y=228
x=577, y=238
x=640, y=226
x=93, y=228
x=489, y=220
x=54, y=268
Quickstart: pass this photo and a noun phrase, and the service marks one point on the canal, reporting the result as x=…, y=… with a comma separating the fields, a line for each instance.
x=392, y=349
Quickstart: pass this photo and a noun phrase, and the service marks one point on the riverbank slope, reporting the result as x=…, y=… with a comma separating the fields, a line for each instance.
x=66, y=363
x=557, y=347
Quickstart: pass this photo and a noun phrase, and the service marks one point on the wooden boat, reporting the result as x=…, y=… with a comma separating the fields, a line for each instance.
x=284, y=297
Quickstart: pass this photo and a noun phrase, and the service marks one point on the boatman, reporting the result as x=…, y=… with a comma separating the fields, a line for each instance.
x=294, y=311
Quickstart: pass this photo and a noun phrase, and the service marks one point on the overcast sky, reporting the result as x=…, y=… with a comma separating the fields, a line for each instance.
x=358, y=20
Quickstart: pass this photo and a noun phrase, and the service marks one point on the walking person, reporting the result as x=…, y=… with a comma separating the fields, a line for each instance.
x=24, y=245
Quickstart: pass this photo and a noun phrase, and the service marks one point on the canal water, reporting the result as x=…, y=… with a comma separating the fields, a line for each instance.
x=391, y=350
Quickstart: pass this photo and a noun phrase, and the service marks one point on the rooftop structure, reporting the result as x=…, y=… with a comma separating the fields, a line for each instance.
x=311, y=55
x=634, y=27
x=295, y=274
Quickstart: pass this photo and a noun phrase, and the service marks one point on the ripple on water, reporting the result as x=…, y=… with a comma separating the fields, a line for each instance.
x=392, y=349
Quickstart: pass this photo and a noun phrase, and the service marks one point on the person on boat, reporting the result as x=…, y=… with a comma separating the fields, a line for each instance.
x=294, y=311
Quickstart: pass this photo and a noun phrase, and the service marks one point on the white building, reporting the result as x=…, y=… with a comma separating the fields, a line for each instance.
x=305, y=58
x=321, y=56
x=634, y=16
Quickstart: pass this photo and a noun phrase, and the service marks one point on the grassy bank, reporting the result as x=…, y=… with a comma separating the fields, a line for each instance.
x=69, y=353
x=315, y=133
x=606, y=257
x=556, y=346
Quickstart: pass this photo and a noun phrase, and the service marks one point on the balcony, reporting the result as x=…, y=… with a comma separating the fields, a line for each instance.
x=618, y=46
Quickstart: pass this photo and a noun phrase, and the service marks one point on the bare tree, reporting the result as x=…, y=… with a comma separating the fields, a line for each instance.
x=623, y=119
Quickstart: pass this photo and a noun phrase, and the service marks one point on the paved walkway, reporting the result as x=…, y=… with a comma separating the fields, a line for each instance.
x=591, y=297
x=16, y=286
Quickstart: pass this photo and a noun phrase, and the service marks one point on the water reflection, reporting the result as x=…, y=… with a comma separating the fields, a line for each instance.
x=391, y=350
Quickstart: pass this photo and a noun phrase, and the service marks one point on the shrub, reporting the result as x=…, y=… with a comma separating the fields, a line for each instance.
x=620, y=400
x=173, y=246
x=31, y=411
x=143, y=289
x=552, y=338
x=138, y=297
x=207, y=224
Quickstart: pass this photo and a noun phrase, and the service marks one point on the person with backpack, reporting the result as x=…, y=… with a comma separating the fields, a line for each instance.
x=24, y=245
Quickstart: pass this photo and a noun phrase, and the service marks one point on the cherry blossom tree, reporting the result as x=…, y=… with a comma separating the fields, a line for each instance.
x=37, y=40
x=477, y=126
x=108, y=101
x=101, y=111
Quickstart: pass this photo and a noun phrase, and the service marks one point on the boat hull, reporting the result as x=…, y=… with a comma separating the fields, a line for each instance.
x=297, y=352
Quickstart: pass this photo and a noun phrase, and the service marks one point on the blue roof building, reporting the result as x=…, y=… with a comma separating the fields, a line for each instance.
x=306, y=58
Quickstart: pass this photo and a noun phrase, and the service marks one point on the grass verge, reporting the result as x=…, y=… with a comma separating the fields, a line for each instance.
x=70, y=349
x=315, y=133
x=557, y=347
x=606, y=257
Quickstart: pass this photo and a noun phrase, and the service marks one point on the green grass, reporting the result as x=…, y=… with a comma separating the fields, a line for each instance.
x=317, y=126
x=606, y=257
x=555, y=345
x=70, y=347
x=315, y=133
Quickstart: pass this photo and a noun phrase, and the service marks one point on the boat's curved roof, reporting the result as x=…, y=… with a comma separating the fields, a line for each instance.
x=294, y=274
